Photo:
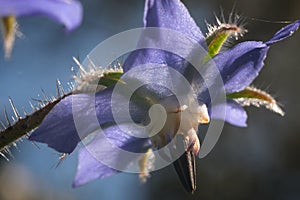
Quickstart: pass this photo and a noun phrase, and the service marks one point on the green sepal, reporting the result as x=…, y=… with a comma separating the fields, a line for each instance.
x=250, y=92
x=110, y=78
x=256, y=97
x=216, y=41
x=218, y=35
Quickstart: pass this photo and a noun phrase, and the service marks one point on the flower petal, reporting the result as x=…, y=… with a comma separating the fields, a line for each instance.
x=59, y=129
x=171, y=14
x=284, y=33
x=240, y=65
x=109, y=153
x=235, y=114
x=67, y=12
x=76, y=116
x=167, y=15
x=156, y=81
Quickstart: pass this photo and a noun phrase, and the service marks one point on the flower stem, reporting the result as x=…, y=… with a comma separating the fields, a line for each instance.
x=23, y=126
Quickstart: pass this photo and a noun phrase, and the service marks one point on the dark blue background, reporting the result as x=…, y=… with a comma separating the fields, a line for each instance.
x=261, y=161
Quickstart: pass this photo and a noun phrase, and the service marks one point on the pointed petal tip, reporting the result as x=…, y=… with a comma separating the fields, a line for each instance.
x=100, y=159
x=284, y=33
x=76, y=184
x=79, y=180
x=60, y=147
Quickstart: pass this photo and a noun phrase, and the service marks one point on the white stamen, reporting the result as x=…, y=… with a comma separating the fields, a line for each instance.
x=203, y=114
x=146, y=164
x=182, y=120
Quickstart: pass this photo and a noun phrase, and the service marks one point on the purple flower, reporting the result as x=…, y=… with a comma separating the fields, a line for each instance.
x=66, y=12
x=238, y=67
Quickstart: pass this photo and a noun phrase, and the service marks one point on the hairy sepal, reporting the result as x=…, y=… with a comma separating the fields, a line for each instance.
x=256, y=97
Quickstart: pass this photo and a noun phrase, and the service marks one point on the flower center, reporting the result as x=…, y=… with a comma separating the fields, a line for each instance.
x=179, y=119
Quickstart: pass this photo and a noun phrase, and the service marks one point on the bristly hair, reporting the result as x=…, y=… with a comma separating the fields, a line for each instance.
x=12, y=131
x=259, y=98
x=235, y=23
x=87, y=80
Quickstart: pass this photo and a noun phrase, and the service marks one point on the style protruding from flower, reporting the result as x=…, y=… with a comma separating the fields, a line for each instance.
x=66, y=12
x=183, y=112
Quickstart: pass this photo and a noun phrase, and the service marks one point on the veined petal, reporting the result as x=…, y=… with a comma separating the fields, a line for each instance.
x=236, y=67
x=235, y=114
x=284, y=33
x=157, y=80
x=113, y=147
x=171, y=14
x=67, y=12
x=240, y=65
x=78, y=115
x=165, y=14
x=58, y=129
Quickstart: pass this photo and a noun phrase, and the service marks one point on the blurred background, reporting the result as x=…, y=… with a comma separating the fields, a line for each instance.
x=261, y=161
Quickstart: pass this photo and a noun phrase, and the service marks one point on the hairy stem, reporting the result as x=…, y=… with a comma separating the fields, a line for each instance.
x=24, y=125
